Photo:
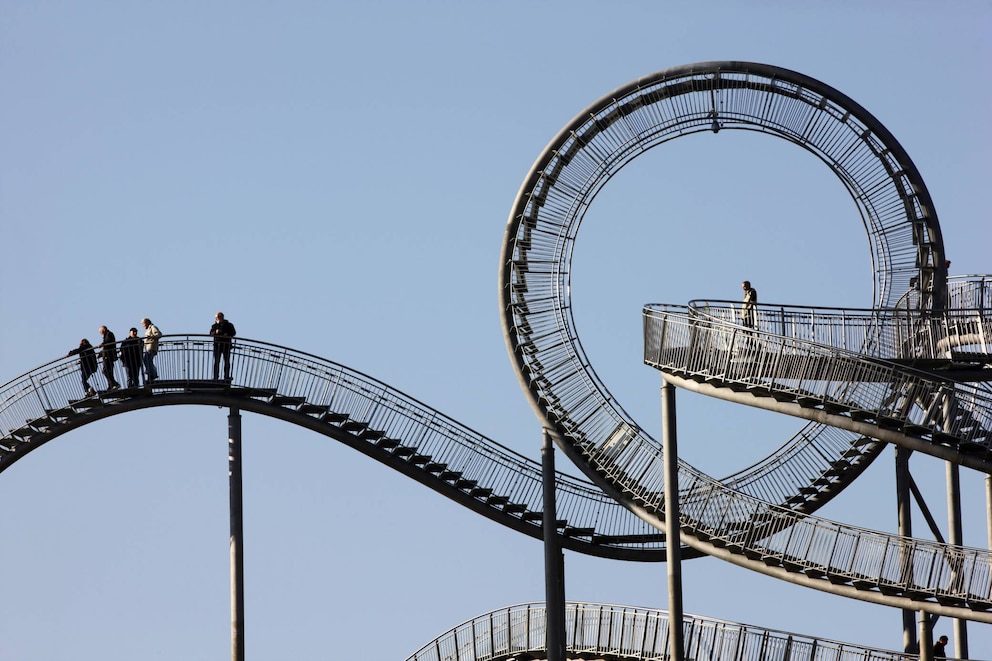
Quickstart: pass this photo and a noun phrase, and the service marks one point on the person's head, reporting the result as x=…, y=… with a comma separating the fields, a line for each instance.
x=746, y=284
x=146, y=322
x=219, y=317
x=133, y=332
x=942, y=640
x=102, y=330
x=84, y=342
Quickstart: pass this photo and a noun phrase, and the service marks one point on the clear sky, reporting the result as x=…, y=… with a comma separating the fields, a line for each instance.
x=336, y=177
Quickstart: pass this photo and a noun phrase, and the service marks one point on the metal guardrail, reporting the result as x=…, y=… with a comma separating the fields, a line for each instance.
x=596, y=631
x=679, y=338
x=186, y=361
x=891, y=333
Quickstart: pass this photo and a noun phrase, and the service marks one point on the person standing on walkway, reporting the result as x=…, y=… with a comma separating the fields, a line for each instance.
x=940, y=648
x=131, y=350
x=223, y=331
x=748, y=310
x=152, y=333
x=87, y=364
x=108, y=354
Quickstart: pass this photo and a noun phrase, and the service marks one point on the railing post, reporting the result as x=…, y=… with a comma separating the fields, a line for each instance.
x=554, y=562
x=673, y=543
x=237, y=533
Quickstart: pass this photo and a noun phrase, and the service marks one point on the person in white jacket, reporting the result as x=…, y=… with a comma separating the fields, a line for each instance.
x=152, y=333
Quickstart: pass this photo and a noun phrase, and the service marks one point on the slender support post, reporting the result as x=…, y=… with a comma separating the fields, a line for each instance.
x=905, y=520
x=988, y=508
x=926, y=637
x=237, y=530
x=673, y=541
x=554, y=562
x=956, y=537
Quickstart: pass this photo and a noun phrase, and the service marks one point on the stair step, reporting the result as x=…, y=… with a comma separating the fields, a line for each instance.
x=435, y=467
x=387, y=443
x=481, y=492
x=578, y=532
x=354, y=426
x=331, y=416
x=287, y=400
x=515, y=508
x=310, y=409
x=372, y=434
x=419, y=459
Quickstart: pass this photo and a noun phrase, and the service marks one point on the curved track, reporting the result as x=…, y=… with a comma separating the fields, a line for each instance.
x=760, y=519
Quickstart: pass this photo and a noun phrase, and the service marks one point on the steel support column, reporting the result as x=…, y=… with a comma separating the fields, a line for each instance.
x=988, y=509
x=926, y=636
x=237, y=533
x=673, y=545
x=956, y=537
x=905, y=522
x=554, y=561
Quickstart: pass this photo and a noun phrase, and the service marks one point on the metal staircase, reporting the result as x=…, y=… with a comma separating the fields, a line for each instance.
x=345, y=405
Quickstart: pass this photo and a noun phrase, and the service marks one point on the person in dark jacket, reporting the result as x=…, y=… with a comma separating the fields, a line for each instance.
x=87, y=364
x=940, y=648
x=108, y=354
x=131, y=349
x=223, y=331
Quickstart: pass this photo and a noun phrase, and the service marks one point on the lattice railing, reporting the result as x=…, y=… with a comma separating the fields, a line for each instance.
x=621, y=632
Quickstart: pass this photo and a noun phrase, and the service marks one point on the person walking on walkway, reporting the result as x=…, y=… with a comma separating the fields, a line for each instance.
x=87, y=364
x=152, y=333
x=748, y=310
x=108, y=354
x=131, y=350
x=223, y=331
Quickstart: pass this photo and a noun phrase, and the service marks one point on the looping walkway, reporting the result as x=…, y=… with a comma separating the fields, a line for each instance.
x=759, y=517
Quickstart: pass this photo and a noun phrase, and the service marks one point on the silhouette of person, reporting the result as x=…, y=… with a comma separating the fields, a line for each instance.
x=131, y=349
x=223, y=331
x=750, y=301
x=152, y=333
x=87, y=364
x=940, y=647
x=108, y=354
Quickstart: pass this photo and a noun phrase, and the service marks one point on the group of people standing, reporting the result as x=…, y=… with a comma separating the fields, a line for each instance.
x=137, y=354
x=133, y=352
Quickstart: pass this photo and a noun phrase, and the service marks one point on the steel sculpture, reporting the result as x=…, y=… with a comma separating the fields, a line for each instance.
x=862, y=379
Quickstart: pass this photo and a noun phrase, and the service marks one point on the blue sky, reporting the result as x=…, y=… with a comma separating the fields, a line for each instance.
x=336, y=177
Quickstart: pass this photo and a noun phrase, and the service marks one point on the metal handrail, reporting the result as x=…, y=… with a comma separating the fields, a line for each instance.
x=604, y=630
x=679, y=339
x=886, y=333
x=185, y=362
